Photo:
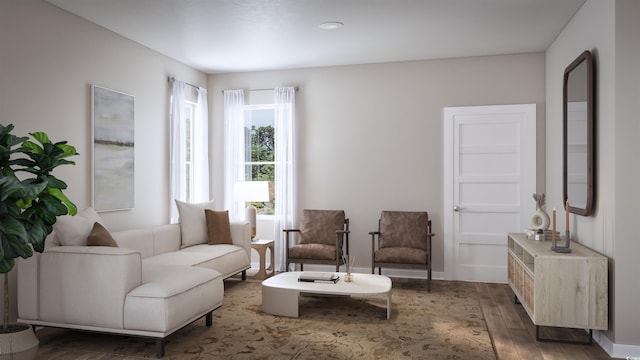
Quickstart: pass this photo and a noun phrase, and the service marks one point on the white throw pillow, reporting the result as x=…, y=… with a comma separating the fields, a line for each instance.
x=193, y=224
x=73, y=230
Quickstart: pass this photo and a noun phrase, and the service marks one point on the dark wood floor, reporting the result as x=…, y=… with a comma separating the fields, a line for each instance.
x=510, y=328
x=514, y=335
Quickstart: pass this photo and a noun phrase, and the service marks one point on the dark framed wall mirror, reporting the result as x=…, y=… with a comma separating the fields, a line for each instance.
x=579, y=126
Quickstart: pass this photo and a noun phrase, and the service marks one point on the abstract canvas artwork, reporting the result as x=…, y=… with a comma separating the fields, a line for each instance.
x=113, y=150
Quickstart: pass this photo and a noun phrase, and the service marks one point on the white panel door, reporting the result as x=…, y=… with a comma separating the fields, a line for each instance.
x=490, y=176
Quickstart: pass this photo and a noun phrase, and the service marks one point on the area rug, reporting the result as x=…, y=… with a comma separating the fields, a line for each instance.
x=446, y=323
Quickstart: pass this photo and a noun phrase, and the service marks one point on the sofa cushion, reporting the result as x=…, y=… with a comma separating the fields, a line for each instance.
x=313, y=251
x=225, y=259
x=320, y=226
x=179, y=258
x=404, y=229
x=171, y=297
x=74, y=230
x=218, y=228
x=193, y=225
x=100, y=236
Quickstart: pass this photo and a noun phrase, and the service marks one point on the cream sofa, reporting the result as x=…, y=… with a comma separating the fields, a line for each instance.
x=148, y=286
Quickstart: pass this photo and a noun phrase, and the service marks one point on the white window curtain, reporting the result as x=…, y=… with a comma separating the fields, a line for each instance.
x=178, y=149
x=234, y=153
x=285, y=189
x=201, y=148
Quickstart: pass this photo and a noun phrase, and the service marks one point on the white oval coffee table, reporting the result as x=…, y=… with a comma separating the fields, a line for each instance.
x=280, y=293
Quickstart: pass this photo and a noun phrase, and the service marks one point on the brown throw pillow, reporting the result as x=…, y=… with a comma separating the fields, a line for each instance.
x=218, y=228
x=99, y=236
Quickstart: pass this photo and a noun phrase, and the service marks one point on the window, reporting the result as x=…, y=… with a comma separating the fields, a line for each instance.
x=189, y=111
x=260, y=151
x=188, y=146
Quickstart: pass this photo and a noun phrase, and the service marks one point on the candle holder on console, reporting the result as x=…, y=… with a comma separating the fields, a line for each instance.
x=567, y=235
x=562, y=248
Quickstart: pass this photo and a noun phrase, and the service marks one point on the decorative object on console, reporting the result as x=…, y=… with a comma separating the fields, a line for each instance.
x=540, y=219
x=567, y=237
x=32, y=198
x=251, y=191
x=113, y=150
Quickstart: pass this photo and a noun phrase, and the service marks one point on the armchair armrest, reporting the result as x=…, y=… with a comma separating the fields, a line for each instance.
x=340, y=235
x=373, y=236
x=286, y=236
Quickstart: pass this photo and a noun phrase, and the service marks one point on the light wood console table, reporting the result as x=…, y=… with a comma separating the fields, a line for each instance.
x=561, y=290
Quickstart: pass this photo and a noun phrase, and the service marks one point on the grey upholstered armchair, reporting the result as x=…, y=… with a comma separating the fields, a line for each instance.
x=404, y=241
x=321, y=238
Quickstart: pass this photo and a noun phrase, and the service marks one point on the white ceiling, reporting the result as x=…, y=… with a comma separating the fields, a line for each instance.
x=219, y=36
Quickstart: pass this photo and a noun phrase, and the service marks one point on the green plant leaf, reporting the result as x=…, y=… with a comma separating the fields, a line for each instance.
x=56, y=183
x=6, y=265
x=33, y=190
x=41, y=137
x=12, y=227
x=16, y=248
x=10, y=186
x=30, y=202
x=58, y=194
x=37, y=149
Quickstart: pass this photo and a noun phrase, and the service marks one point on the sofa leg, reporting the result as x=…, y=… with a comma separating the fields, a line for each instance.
x=244, y=275
x=209, y=318
x=159, y=348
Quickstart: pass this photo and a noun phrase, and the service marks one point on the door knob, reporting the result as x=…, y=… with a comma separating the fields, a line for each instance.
x=457, y=208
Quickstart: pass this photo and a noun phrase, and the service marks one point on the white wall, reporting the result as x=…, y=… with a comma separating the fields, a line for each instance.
x=610, y=30
x=370, y=136
x=627, y=173
x=48, y=61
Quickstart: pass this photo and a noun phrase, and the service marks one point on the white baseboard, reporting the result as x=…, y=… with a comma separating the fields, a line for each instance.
x=618, y=351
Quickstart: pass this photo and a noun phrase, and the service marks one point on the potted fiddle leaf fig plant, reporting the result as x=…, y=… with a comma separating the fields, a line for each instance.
x=31, y=198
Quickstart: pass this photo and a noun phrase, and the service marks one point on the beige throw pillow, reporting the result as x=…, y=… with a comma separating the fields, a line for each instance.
x=73, y=230
x=193, y=225
x=100, y=236
x=218, y=228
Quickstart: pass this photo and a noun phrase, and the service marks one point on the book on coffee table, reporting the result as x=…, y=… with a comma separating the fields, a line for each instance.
x=318, y=277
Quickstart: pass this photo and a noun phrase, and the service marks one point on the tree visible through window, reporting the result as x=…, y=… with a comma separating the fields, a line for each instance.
x=260, y=151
